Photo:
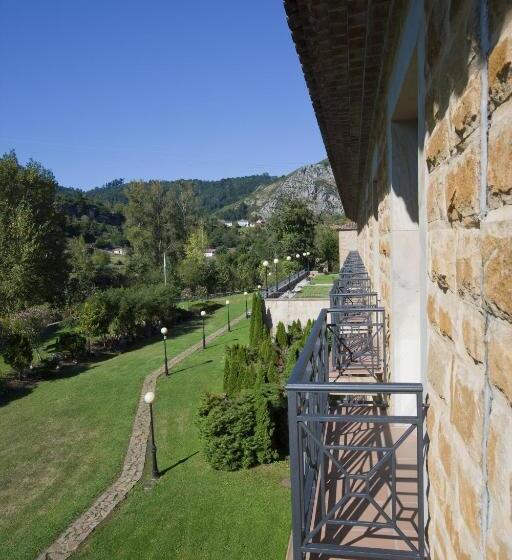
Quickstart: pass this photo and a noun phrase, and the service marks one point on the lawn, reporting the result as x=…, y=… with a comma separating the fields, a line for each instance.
x=324, y=279
x=194, y=512
x=313, y=291
x=64, y=440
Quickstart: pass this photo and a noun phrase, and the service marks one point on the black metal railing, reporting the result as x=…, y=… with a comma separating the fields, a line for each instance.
x=284, y=285
x=356, y=466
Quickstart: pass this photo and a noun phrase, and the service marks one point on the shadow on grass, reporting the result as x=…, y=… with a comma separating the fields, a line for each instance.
x=178, y=463
x=12, y=392
x=191, y=367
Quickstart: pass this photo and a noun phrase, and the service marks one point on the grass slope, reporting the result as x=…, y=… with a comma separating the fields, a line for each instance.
x=194, y=512
x=64, y=442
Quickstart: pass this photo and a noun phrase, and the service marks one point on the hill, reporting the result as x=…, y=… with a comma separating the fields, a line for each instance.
x=314, y=184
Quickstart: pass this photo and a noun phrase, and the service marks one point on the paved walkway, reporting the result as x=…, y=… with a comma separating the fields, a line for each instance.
x=132, y=470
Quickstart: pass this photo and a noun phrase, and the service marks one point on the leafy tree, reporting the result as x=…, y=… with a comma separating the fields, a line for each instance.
x=17, y=352
x=31, y=236
x=292, y=227
x=257, y=327
x=94, y=318
x=326, y=246
x=31, y=322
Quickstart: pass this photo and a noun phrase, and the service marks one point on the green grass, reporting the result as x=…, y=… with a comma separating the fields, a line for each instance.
x=194, y=512
x=64, y=440
x=312, y=291
x=324, y=279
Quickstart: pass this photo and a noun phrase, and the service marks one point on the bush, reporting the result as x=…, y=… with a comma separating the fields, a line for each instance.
x=281, y=336
x=257, y=328
x=241, y=432
x=17, y=352
x=71, y=343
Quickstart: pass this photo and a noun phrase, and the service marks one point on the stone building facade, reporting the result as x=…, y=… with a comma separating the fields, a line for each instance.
x=414, y=102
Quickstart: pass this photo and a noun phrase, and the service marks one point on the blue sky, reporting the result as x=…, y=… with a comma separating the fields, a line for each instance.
x=99, y=89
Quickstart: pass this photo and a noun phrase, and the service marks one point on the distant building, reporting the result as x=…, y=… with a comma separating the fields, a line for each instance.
x=226, y=223
x=120, y=251
x=243, y=223
x=209, y=252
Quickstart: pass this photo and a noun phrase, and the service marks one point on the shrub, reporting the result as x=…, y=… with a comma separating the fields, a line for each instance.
x=281, y=336
x=71, y=343
x=257, y=327
x=226, y=428
x=241, y=432
x=17, y=352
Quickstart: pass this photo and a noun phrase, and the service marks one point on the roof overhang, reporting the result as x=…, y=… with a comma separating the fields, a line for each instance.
x=342, y=47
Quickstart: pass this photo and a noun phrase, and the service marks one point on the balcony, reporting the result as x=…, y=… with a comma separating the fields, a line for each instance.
x=356, y=465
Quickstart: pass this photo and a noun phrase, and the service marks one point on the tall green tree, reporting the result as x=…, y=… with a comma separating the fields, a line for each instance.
x=292, y=228
x=158, y=220
x=32, y=245
x=326, y=246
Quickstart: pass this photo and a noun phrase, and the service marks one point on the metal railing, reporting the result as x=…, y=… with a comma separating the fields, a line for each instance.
x=285, y=285
x=356, y=466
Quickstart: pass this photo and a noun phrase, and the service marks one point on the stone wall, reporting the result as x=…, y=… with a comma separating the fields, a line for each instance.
x=468, y=233
x=347, y=241
x=289, y=310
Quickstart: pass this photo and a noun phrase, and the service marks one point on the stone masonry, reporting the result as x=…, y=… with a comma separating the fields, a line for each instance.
x=132, y=470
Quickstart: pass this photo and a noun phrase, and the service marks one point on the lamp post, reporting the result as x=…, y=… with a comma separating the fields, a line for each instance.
x=307, y=256
x=163, y=330
x=288, y=258
x=276, y=261
x=265, y=264
x=203, y=315
x=229, y=323
x=297, y=256
x=246, y=311
x=148, y=399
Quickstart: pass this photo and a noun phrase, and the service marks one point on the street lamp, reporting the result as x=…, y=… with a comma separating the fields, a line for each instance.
x=288, y=258
x=246, y=311
x=148, y=399
x=307, y=255
x=276, y=261
x=203, y=315
x=265, y=264
x=229, y=323
x=297, y=256
x=163, y=330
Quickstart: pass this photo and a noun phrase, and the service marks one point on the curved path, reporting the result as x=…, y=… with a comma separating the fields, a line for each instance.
x=131, y=472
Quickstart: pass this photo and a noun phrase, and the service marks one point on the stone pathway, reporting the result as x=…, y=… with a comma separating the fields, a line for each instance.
x=132, y=470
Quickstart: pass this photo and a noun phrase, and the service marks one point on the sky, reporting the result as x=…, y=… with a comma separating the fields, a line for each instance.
x=162, y=89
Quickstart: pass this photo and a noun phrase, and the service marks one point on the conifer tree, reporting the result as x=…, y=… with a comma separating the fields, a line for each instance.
x=281, y=336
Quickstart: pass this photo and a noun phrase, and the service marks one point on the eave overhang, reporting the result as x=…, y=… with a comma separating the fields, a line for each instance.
x=342, y=46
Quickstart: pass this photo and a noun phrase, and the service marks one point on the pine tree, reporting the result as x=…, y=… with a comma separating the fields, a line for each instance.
x=281, y=336
x=258, y=328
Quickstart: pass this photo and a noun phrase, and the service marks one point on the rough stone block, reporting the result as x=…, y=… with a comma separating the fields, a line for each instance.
x=466, y=110
x=440, y=365
x=499, y=469
x=436, y=208
x=497, y=254
x=499, y=171
x=469, y=265
x=500, y=72
x=467, y=406
x=442, y=258
x=500, y=355
x=473, y=332
x=469, y=490
x=438, y=144
x=463, y=188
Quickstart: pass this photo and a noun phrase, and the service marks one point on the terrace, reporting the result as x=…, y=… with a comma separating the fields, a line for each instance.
x=356, y=464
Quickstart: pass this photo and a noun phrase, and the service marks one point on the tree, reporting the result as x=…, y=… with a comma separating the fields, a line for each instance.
x=292, y=228
x=281, y=336
x=157, y=222
x=257, y=327
x=17, y=352
x=326, y=246
x=94, y=318
x=31, y=322
x=31, y=236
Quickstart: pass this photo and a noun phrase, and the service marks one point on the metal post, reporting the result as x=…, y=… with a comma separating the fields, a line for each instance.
x=156, y=472
x=419, y=459
x=266, y=282
x=295, y=466
x=204, y=337
x=246, y=311
x=165, y=356
x=229, y=323
x=275, y=271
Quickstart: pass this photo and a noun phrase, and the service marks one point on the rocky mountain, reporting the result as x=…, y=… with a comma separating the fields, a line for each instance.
x=312, y=183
